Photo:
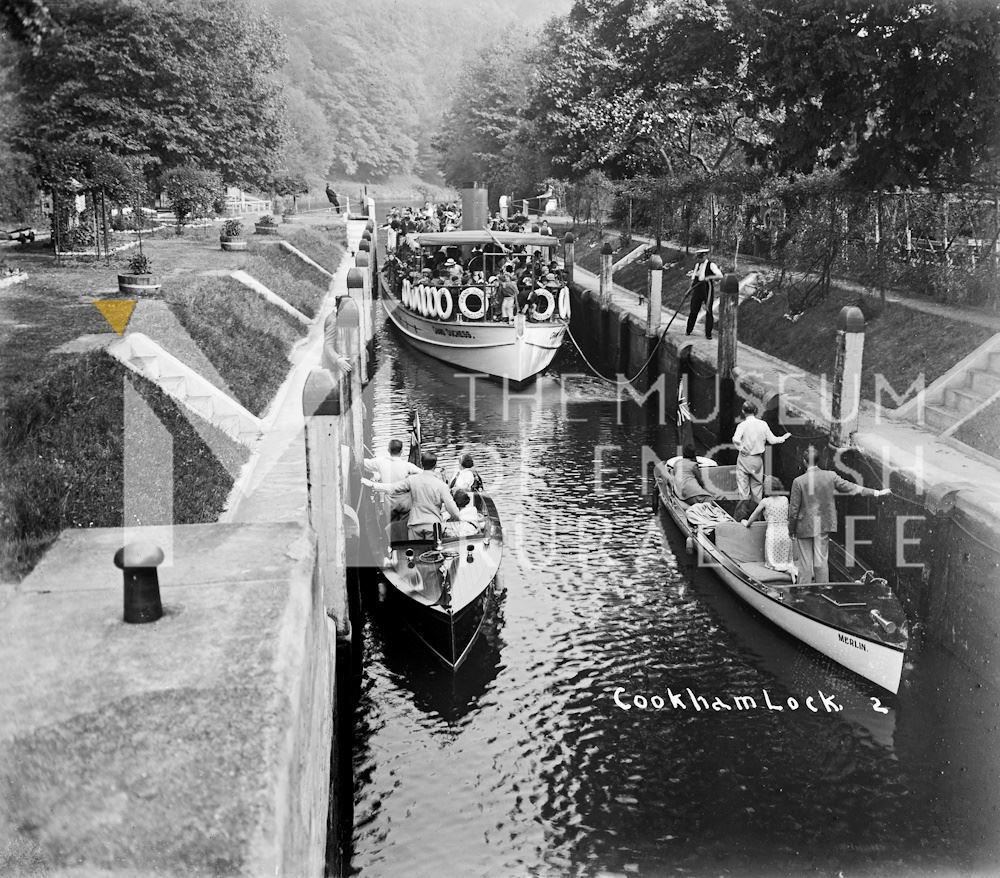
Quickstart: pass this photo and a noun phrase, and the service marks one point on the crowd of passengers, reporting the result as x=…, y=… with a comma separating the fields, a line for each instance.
x=510, y=274
x=422, y=496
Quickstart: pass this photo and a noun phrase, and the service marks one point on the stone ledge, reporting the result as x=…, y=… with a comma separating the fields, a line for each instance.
x=192, y=745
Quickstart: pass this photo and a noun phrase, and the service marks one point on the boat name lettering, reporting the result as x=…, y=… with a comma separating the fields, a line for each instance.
x=686, y=699
x=454, y=333
x=843, y=638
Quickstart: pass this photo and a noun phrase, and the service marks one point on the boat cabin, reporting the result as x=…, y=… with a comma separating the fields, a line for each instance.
x=465, y=276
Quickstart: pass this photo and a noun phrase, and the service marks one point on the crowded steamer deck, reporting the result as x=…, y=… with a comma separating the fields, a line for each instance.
x=491, y=300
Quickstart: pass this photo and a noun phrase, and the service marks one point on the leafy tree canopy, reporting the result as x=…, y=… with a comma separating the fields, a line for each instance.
x=893, y=93
x=173, y=80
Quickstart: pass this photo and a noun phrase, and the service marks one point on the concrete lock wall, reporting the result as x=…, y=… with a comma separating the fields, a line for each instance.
x=196, y=744
x=938, y=562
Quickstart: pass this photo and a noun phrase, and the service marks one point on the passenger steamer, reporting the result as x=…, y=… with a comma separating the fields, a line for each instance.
x=455, y=323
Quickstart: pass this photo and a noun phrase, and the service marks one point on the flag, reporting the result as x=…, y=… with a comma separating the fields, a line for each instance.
x=685, y=429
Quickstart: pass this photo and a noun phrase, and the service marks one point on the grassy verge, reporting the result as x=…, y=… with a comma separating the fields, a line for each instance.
x=323, y=244
x=981, y=430
x=246, y=338
x=62, y=449
x=303, y=295
x=899, y=345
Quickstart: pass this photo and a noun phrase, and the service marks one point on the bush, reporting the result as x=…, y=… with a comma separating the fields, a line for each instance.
x=267, y=220
x=232, y=228
x=192, y=191
x=140, y=263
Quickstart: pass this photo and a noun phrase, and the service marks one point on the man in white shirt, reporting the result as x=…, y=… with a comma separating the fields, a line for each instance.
x=427, y=493
x=752, y=436
x=703, y=277
x=391, y=469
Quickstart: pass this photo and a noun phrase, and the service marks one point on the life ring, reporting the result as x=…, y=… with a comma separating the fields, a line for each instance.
x=406, y=292
x=550, y=306
x=564, y=303
x=445, y=304
x=430, y=302
x=463, y=303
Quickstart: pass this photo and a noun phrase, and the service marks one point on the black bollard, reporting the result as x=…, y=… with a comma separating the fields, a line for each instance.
x=138, y=563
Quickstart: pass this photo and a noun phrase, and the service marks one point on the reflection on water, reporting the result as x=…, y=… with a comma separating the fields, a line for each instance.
x=523, y=764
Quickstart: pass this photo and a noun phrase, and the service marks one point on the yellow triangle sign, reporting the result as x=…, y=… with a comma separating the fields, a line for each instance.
x=116, y=311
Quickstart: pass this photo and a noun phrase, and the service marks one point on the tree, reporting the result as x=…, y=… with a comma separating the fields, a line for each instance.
x=173, y=81
x=894, y=93
x=483, y=135
x=27, y=21
x=192, y=191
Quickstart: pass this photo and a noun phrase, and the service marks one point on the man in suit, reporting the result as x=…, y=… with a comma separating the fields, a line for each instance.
x=703, y=277
x=812, y=516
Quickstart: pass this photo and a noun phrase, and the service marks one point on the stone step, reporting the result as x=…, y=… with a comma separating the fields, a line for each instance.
x=963, y=399
x=983, y=382
x=939, y=418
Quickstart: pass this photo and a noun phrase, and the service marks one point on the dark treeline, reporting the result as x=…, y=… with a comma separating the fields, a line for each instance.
x=799, y=129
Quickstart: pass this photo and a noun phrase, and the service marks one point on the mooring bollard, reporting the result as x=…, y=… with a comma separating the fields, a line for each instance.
x=569, y=246
x=324, y=400
x=605, y=277
x=356, y=292
x=138, y=562
x=846, y=404
x=655, y=305
x=729, y=303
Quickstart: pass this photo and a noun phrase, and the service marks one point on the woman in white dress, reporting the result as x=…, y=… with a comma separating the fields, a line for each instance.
x=777, y=542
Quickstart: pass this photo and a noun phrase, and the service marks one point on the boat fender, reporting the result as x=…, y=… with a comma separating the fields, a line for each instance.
x=543, y=315
x=406, y=292
x=416, y=297
x=689, y=545
x=656, y=499
x=444, y=303
x=463, y=303
x=564, y=305
x=431, y=302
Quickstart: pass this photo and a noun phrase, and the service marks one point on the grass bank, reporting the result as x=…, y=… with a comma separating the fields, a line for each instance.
x=247, y=339
x=62, y=446
x=900, y=344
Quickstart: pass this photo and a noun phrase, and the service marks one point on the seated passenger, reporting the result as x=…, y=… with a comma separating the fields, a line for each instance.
x=688, y=482
x=466, y=478
x=526, y=295
x=469, y=521
x=452, y=271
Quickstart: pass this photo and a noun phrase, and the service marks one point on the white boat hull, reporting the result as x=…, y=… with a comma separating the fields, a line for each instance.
x=516, y=351
x=863, y=655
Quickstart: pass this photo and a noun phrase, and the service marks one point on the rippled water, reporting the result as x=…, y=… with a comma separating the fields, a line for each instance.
x=523, y=764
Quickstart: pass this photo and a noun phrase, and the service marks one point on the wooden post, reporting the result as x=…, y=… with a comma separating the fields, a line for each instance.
x=605, y=277
x=729, y=301
x=847, y=374
x=363, y=264
x=323, y=399
x=356, y=292
x=349, y=345
x=569, y=246
x=655, y=303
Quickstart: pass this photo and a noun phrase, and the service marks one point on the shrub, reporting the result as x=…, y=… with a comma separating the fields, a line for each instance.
x=232, y=228
x=267, y=220
x=140, y=263
x=192, y=191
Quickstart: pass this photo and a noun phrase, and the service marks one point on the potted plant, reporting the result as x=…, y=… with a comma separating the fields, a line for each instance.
x=266, y=225
x=232, y=235
x=140, y=278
